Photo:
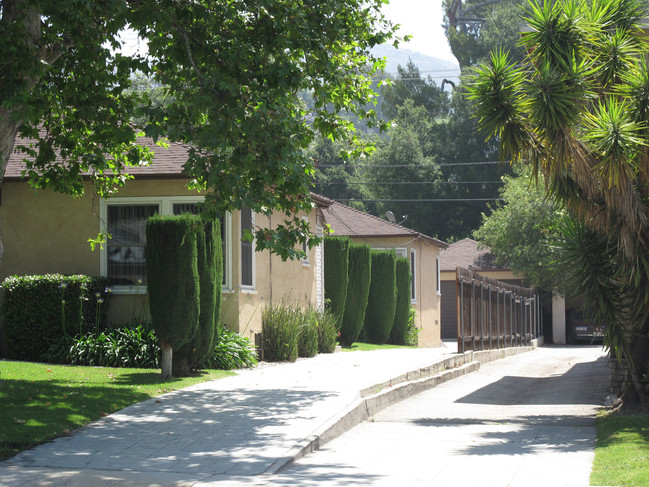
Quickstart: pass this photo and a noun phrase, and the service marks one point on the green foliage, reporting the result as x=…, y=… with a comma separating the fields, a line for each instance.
x=328, y=331
x=307, y=340
x=119, y=347
x=382, y=297
x=210, y=272
x=360, y=273
x=586, y=67
x=280, y=331
x=172, y=278
x=399, y=329
x=412, y=332
x=232, y=351
x=336, y=278
x=232, y=94
x=524, y=233
x=39, y=309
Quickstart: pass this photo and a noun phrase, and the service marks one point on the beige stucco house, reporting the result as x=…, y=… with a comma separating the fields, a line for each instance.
x=422, y=251
x=47, y=232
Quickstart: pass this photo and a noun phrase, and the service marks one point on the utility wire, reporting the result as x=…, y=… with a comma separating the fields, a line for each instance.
x=415, y=201
x=414, y=166
x=405, y=182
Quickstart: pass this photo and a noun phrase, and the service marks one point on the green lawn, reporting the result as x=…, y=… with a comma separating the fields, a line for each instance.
x=622, y=451
x=366, y=347
x=39, y=402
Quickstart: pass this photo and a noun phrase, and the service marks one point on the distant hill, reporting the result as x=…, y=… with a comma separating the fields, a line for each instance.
x=438, y=69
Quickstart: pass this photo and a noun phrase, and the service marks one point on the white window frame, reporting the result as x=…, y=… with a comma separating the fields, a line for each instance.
x=438, y=282
x=413, y=271
x=305, y=248
x=246, y=287
x=165, y=205
x=401, y=252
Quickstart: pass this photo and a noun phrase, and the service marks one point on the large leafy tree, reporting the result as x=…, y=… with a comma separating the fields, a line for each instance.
x=525, y=232
x=234, y=69
x=578, y=111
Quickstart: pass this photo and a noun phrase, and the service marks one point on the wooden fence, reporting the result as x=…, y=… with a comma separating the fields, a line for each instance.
x=494, y=314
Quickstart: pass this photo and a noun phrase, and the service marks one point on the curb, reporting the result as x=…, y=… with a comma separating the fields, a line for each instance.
x=379, y=396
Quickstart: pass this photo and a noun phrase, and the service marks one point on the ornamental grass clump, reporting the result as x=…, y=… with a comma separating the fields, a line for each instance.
x=328, y=331
x=232, y=351
x=307, y=341
x=280, y=331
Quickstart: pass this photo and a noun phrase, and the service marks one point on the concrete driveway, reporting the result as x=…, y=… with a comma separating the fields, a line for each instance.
x=526, y=420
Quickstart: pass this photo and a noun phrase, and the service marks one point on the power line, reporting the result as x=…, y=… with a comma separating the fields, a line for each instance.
x=406, y=182
x=416, y=201
x=414, y=166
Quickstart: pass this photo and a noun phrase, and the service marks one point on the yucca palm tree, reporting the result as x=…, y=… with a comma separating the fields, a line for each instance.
x=577, y=110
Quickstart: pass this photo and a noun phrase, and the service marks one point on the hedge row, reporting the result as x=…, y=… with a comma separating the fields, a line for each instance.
x=39, y=310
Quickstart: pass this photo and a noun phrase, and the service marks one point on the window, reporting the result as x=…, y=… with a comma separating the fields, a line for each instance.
x=439, y=280
x=123, y=257
x=125, y=249
x=305, y=248
x=413, y=287
x=247, y=249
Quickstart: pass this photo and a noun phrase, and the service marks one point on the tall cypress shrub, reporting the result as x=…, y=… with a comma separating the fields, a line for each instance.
x=382, y=299
x=336, y=274
x=210, y=274
x=401, y=312
x=172, y=282
x=357, y=290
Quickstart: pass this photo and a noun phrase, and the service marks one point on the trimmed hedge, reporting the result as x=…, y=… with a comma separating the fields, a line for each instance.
x=382, y=299
x=336, y=273
x=401, y=312
x=210, y=271
x=360, y=273
x=39, y=310
x=172, y=282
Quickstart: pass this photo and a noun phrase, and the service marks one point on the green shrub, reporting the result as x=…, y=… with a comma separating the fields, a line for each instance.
x=280, y=330
x=382, y=299
x=210, y=271
x=357, y=291
x=38, y=310
x=336, y=273
x=119, y=347
x=412, y=332
x=307, y=340
x=172, y=282
x=232, y=351
x=401, y=312
x=328, y=331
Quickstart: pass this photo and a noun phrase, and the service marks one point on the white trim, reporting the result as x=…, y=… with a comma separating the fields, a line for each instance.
x=413, y=271
x=165, y=205
x=247, y=287
x=305, y=248
x=438, y=282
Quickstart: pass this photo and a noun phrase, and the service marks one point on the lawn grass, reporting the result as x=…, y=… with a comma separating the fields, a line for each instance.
x=366, y=347
x=622, y=451
x=39, y=402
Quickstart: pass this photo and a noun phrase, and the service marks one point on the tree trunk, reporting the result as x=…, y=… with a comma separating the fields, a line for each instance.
x=166, y=364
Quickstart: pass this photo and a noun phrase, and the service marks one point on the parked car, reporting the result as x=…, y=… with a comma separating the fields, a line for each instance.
x=581, y=330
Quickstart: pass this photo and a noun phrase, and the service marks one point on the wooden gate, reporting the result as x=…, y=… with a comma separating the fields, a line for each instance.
x=494, y=314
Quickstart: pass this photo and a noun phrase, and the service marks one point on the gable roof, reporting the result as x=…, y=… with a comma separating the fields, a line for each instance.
x=167, y=162
x=349, y=222
x=468, y=254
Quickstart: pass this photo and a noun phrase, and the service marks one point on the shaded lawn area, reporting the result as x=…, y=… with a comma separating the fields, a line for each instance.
x=39, y=402
x=622, y=451
x=366, y=347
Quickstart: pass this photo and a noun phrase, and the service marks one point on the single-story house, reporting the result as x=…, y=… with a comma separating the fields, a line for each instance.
x=469, y=254
x=47, y=232
x=422, y=251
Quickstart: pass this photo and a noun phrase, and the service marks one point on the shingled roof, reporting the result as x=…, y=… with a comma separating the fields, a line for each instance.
x=167, y=162
x=468, y=254
x=349, y=222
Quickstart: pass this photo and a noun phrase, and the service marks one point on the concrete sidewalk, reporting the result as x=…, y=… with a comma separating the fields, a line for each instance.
x=238, y=430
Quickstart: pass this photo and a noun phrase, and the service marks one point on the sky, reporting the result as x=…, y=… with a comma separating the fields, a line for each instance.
x=422, y=19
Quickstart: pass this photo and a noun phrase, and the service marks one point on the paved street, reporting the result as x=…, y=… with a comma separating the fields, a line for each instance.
x=526, y=420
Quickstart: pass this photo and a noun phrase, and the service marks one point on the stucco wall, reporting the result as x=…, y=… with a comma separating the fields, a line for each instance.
x=427, y=303
x=47, y=232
